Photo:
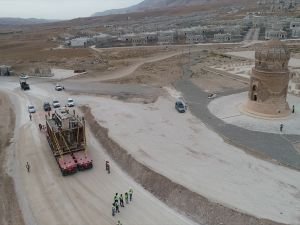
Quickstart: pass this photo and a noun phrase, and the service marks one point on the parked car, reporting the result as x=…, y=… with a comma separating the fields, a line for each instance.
x=58, y=87
x=211, y=95
x=47, y=106
x=180, y=106
x=70, y=102
x=55, y=104
x=31, y=109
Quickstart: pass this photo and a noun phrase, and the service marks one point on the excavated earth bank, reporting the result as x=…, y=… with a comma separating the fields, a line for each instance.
x=10, y=213
x=195, y=206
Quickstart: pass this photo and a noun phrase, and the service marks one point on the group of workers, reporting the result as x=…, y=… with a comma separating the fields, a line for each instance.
x=119, y=201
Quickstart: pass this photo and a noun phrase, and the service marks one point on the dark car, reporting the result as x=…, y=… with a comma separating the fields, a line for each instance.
x=24, y=86
x=58, y=87
x=47, y=106
x=180, y=106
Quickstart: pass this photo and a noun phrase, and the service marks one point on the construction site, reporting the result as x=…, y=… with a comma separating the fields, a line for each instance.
x=230, y=155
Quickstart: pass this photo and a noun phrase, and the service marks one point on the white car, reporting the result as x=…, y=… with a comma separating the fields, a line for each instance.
x=70, y=102
x=58, y=87
x=56, y=104
x=211, y=95
x=31, y=109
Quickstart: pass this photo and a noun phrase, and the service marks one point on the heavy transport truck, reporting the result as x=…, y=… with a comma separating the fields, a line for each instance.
x=66, y=137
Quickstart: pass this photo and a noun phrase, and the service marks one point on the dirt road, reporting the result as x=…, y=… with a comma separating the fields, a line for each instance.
x=84, y=198
x=130, y=69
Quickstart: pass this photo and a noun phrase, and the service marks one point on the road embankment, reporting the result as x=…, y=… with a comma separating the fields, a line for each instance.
x=10, y=213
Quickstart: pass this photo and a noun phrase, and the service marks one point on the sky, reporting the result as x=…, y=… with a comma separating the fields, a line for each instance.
x=59, y=9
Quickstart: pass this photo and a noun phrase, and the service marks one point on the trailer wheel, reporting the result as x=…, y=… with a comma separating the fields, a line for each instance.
x=63, y=173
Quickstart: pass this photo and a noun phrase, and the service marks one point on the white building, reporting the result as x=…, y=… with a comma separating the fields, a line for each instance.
x=79, y=42
x=186, y=32
x=259, y=21
x=5, y=70
x=275, y=34
x=194, y=39
x=128, y=37
x=151, y=37
x=277, y=5
x=104, y=40
x=233, y=30
x=166, y=37
x=294, y=24
x=139, y=39
x=101, y=37
x=222, y=37
x=296, y=32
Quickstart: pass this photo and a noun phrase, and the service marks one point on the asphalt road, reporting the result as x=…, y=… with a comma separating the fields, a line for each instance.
x=272, y=146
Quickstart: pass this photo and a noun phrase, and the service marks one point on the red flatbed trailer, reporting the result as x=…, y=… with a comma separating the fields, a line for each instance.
x=66, y=137
x=67, y=164
x=83, y=160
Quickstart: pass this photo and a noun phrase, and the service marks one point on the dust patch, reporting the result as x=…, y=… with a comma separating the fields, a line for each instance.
x=195, y=206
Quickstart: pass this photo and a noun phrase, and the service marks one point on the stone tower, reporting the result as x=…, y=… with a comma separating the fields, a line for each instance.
x=269, y=81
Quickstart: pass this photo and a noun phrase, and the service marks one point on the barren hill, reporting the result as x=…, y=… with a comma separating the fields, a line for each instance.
x=147, y=5
x=8, y=21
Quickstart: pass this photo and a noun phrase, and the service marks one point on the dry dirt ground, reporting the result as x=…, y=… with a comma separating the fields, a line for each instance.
x=159, y=73
x=167, y=71
x=210, y=81
x=28, y=52
x=10, y=213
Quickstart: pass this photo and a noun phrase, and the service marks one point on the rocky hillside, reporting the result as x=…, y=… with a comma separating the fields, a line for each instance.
x=155, y=4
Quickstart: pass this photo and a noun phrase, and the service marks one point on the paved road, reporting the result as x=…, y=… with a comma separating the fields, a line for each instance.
x=272, y=146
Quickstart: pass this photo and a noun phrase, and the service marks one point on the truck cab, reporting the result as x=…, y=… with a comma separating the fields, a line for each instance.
x=23, y=83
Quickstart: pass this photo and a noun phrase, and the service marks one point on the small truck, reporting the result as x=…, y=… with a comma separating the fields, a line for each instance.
x=23, y=83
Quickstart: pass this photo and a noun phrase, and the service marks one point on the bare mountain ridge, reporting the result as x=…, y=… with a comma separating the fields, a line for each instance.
x=10, y=21
x=155, y=4
x=148, y=4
